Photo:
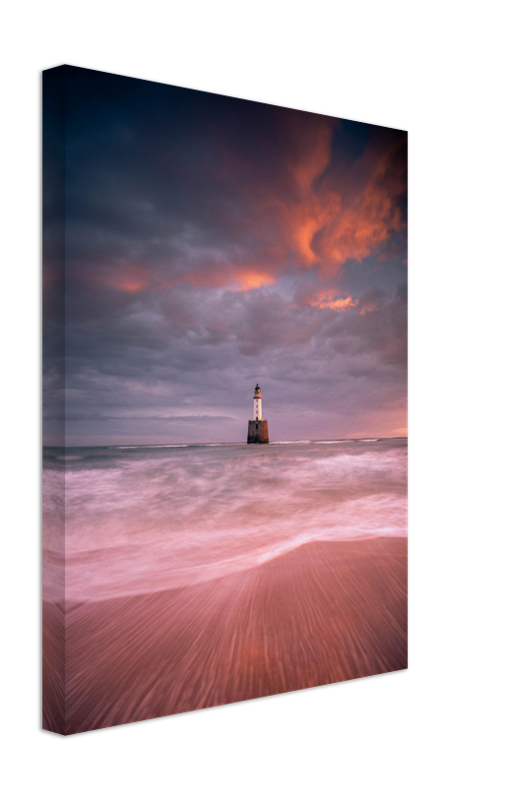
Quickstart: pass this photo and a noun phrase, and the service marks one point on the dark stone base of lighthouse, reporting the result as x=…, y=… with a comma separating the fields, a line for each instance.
x=258, y=431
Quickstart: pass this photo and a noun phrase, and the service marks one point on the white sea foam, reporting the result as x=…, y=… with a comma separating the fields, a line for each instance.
x=300, y=441
x=145, y=446
x=144, y=519
x=334, y=441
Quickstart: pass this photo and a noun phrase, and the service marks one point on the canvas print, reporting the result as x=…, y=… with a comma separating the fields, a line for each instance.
x=225, y=400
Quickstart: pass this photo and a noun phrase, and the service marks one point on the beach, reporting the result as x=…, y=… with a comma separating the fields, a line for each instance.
x=197, y=577
x=325, y=612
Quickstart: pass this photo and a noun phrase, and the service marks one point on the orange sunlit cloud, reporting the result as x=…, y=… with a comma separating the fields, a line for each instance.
x=131, y=279
x=313, y=151
x=129, y=286
x=246, y=280
x=314, y=212
x=367, y=308
x=328, y=300
x=307, y=220
x=326, y=227
x=231, y=277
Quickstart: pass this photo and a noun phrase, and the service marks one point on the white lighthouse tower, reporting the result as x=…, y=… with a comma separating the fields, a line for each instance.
x=257, y=401
x=257, y=428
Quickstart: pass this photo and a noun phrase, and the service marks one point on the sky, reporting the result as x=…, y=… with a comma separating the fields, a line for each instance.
x=213, y=243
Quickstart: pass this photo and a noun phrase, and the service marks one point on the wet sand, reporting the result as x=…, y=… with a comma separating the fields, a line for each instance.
x=323, y=613
x=53, y=666
x=53, y=642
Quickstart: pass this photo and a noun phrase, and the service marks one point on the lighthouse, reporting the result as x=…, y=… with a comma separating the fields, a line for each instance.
x=257, y=428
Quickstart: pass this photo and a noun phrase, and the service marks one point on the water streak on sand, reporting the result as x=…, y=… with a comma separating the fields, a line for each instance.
x=323, y=613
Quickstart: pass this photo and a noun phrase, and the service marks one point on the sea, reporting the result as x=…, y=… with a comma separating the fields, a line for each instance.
x=142, y=519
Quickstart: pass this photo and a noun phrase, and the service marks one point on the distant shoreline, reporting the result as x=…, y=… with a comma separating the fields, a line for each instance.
x=363, y=440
